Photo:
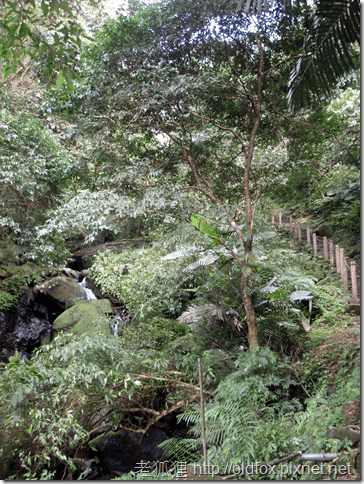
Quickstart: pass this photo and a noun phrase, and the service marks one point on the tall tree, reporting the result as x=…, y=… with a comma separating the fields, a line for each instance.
x=189, y=81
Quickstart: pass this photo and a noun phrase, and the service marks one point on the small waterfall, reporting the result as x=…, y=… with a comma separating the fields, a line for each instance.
x=89, y=294
x=120, y=320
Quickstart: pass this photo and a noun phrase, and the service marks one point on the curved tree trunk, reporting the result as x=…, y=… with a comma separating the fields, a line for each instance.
x=244, y=282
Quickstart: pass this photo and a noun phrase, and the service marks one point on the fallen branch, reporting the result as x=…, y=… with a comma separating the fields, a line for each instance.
x=169, y=410
x=172, y=382
x=141, y=409
x=284, y=459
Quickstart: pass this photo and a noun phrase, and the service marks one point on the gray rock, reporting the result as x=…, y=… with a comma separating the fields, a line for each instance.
x=61, y=289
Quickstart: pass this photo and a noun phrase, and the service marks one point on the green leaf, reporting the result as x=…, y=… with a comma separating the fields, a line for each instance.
x=69, y=82
x=45, y=8
x=205, y=227
x=65, y=7
x=24, y=30
x=60, y=79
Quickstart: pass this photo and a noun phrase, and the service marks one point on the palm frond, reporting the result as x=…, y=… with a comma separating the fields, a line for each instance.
x=255, y=7
x=329, y=53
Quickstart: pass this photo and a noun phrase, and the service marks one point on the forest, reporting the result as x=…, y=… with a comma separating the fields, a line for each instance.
x=156, y=323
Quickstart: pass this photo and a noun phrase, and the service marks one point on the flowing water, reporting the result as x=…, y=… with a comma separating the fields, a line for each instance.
x=89, y=294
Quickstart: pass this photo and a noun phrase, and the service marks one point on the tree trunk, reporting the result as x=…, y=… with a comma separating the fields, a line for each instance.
x=251, y=321
x=248, y=305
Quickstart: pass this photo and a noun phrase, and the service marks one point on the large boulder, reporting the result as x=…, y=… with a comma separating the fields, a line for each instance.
x=85, y=317
x=60, y=289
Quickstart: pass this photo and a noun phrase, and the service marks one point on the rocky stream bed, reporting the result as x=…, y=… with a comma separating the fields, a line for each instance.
x=72, y=302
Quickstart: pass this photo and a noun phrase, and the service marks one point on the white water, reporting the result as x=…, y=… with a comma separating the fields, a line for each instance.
x=120, y=321
x=89, y=294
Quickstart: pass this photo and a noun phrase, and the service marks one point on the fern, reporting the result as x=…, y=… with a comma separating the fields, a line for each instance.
x=205, y=261
x=230, y=432
x=245, y=401
x=180, y=449
x=196, y=313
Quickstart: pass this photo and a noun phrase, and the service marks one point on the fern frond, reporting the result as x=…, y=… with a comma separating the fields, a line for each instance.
x=190, y=417
x=205, y=261
x=195, y=313
x=182, y=253
x=180, y=449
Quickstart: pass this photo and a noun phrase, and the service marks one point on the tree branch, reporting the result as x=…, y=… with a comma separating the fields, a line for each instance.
x=282, y=62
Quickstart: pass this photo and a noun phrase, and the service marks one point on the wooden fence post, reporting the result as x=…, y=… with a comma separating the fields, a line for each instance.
x=326, y=256
x=299, y=232
x=295, y=234
x=314, y=242
x=344, y=271
x=332, y=262
x=337, y=254
x=273, y=221
x=280, y=218
x=308, y=237
x=354, y=282
x=290, y=223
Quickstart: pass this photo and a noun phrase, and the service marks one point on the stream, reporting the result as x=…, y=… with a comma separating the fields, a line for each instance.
x=33, y=323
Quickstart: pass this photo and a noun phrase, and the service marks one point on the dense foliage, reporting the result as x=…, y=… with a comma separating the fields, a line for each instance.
x=177, y=135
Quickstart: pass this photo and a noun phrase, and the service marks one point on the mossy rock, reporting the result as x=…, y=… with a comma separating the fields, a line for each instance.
x=46, y=339
x=71, y=302
x=85, y=317
x=62, y=289
x=343, y=433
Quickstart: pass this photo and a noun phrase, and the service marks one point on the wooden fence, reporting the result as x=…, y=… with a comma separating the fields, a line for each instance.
x=322, y=247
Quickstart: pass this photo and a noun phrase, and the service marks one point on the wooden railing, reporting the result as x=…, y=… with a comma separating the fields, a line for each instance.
x=322, y=247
